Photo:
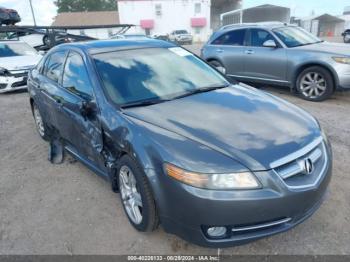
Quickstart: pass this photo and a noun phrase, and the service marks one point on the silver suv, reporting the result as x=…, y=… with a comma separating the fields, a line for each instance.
x=280, y=54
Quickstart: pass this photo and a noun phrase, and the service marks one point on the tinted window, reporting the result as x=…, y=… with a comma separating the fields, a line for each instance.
x=154, y=73
x=234, y=38
x=181, y=32
x=53, y=67
x=76, y=78
x=258, y=37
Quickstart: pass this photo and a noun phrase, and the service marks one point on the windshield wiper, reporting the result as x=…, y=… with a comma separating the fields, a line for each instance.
x=143, y=103
x=201, y=90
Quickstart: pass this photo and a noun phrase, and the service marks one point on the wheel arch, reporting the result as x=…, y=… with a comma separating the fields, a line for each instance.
x=304, y=66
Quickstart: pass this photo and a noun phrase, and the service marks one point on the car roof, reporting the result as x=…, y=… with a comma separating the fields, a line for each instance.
x=102, y=46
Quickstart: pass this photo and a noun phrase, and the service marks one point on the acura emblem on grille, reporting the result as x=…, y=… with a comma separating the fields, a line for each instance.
x=308, y=166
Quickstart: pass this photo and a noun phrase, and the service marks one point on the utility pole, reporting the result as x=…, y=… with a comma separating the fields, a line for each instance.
x=31, y=7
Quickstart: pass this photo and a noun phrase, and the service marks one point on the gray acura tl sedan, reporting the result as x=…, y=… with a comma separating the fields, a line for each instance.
x=216, y=164
x=280, y=54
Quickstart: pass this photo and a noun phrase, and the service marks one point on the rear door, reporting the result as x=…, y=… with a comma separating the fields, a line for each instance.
x=49, y=87
x=229, y=48
x=264, y=63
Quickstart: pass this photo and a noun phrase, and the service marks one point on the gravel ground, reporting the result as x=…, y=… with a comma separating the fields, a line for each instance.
x=66, y=209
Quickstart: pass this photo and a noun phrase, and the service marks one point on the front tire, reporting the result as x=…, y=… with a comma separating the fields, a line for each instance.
x=136, y=195
x=315, y=84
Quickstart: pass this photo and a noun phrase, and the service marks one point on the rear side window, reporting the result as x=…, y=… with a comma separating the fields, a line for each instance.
x=233, y=38
x=54, y=65
x=258, y=37
x=76, y=78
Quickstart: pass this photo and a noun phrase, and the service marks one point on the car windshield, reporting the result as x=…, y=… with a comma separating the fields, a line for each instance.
x=155, y=75
x=295, y=36
x=181, y=32
x=16, y=49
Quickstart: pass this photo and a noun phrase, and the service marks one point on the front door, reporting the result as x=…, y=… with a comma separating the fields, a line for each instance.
x=265, y=63
x=79, y=126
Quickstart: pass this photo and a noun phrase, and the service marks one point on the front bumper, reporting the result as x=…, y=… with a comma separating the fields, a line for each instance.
x=343, y=75
x=247, y=214
x=13, y=82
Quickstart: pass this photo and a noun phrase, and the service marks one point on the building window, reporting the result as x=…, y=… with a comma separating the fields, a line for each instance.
x=158, y=9
x=197, y=30
x=197, y=8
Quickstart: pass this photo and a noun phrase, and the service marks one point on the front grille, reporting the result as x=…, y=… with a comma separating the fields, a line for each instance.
x=20, y=83
x=306, y=170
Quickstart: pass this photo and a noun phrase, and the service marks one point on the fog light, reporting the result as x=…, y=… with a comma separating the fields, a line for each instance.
x=216, y=231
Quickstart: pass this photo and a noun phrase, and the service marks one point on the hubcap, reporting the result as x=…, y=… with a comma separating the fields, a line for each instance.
x=313, y=85
x=131, y=197
x=39, y=121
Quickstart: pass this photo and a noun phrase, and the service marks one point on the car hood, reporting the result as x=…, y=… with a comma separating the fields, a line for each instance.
x=245, y=124
x=15, y=63
x=334, y=48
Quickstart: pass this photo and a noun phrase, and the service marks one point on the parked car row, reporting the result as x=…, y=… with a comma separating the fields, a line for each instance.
x=214, y=162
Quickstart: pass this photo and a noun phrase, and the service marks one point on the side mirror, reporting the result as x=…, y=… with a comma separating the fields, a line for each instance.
x=270, y=44
x=86, y=108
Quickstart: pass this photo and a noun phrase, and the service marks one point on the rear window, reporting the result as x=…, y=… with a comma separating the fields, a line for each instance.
x=54, y=65
x=233, y=38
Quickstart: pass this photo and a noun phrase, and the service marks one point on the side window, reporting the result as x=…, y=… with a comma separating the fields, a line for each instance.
x=54, y=65
x=233, y=38
x=76, y=78
x=258, y=37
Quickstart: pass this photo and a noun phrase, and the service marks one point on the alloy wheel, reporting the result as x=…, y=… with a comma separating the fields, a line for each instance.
x=130, y=195
x=313, y=85
x=39, y=121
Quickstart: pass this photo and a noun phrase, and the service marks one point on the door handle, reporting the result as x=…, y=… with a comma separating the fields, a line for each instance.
x=219, y=50
x=249, y=52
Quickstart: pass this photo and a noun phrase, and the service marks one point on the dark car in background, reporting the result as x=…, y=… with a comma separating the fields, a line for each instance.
x=346, y=36
x=9, y=16
x=215, y=163
x=280, y=54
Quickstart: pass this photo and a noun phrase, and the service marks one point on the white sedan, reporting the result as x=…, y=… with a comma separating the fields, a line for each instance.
x=16, y=59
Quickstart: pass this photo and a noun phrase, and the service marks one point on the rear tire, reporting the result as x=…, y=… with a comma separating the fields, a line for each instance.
x=136, y=195
x=315, y=84
x=41, y=126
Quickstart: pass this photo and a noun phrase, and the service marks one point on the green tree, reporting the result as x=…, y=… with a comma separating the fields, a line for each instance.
x=85, y=5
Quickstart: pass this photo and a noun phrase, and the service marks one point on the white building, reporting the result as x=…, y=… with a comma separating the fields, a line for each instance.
x=164, y=16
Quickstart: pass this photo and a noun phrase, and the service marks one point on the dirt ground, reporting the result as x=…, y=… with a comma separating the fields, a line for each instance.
x=66, y=209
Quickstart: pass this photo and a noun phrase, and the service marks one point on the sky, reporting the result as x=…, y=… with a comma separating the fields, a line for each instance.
x=45, y=10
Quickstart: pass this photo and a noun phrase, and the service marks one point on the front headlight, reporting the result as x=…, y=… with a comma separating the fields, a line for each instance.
x=342, y=60
x=242, y=180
